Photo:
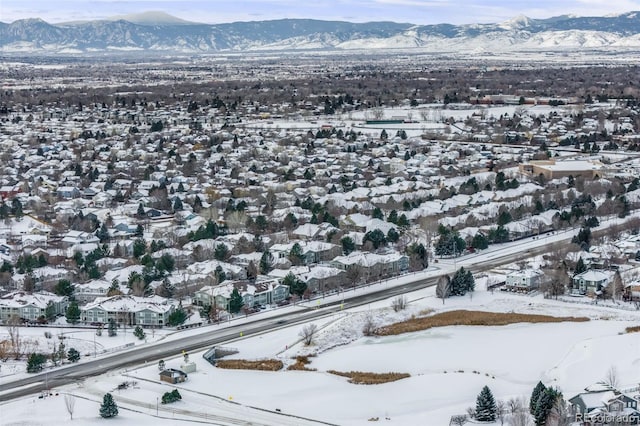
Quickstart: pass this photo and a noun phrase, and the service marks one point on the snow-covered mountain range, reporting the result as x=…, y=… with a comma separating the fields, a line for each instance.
x=159, y=32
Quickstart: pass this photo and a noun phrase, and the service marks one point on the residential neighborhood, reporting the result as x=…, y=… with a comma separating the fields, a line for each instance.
x=445, y=229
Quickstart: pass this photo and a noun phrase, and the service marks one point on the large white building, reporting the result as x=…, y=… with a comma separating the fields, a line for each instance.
x=30, y=307
x=128, y=310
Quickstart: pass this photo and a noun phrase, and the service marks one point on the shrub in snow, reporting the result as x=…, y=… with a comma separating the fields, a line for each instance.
x=139, y=333
x=172, y=396
x=36, y=362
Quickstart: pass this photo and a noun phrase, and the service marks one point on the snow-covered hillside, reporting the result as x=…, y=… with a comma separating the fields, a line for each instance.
x=157, y=31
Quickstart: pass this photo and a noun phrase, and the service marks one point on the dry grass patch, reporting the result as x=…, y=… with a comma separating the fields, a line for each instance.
x=634, y=329
x=463, y=317
x=301, y=364
x=242, y=364
x=364, y=378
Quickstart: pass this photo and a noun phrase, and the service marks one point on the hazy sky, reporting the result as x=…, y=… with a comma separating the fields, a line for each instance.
x=413, y=11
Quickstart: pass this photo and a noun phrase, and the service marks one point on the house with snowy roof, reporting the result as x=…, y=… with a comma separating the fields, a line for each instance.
x=48, y=275
x=128, y=310
x=208, y=267
x=372, y=265
x=88, y=292
x=13, y=229
x=323, y=278
x=74, y=238
x=68, y=192
x=632, y=291
x=30, y=307
x=254, y=293
x=312, y=251
x=525, y=280
x=312, y=231
x=591, y=282
x=602, y=405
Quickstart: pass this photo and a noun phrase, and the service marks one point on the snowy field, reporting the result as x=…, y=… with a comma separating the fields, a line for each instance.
x=84, y=340
x=425, y=117
x=448, y=368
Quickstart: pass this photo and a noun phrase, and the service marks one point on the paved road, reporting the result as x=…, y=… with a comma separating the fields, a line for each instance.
x=208, y=338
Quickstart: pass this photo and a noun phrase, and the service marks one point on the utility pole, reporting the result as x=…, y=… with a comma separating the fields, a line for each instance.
x=453, y=246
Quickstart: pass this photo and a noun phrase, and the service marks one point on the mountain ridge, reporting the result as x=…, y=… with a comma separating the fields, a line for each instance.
x=156, y=31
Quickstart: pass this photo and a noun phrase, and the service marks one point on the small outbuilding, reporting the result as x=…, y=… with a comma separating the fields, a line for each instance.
x=173, y=376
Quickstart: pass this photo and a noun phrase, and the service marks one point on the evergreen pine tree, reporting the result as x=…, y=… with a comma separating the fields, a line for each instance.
x=140, y=212
x=295, y=255
x=540, y=387
x=177, y=205
x=220, y=274
x=486, y=406
x=73, y=313
x=580, y=267
x=469, y=282
x=348, y=245
x=266, y=262
x=221, y=252
x=50, y=311
x=296, y=285
x=108, y=408
x=461, y=282
x=544, y=405
x=235, y=302
x=103, y=233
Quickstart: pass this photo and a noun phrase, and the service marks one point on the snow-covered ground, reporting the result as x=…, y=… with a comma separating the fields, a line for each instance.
x=84, y=340
x=448, y=368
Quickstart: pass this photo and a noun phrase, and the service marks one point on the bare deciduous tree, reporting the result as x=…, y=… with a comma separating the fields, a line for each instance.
x=237, y=220
x=369, y=325
x=307, y=333
x=70, y=403
x=443, y=287
x=429, y=225
x=518, y=412
x=354, y=274
x=501, y=411
x=560, y=413
x=459, y=420
x=611, y=378
x=615, y=288
x=214, y=313
x=13, y=328
x=5, y=350
x=399, y=303
x=471, y=412
x=554, y=283
x=521, y=418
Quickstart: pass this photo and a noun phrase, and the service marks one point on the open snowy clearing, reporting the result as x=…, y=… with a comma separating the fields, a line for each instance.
x=84, y=340
x=448, y=367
